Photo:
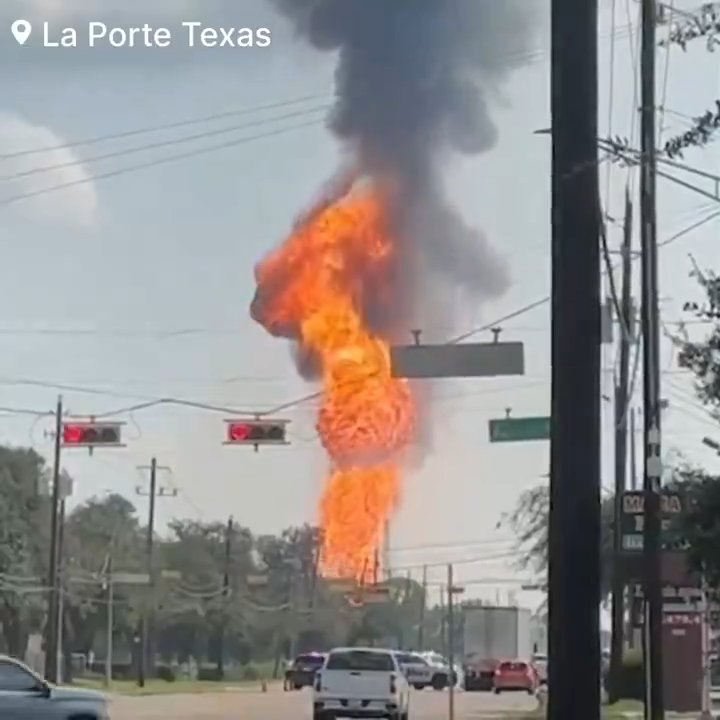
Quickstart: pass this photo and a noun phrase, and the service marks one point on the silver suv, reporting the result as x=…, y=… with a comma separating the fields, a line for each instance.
x=26, y=696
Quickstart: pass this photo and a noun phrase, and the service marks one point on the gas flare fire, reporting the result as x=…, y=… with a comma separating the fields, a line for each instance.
x=313, y=289
x=387, y=251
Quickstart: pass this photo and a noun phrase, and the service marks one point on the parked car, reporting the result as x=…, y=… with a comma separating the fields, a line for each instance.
x=479, y=673
x=540, y=662
x=437, y=660
x=361, y=683
x=301, y=671
x=24, y=695
x=420, y=673
x=516, y=675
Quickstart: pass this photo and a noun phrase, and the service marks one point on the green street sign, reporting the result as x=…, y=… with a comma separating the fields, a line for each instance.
x=519, y=429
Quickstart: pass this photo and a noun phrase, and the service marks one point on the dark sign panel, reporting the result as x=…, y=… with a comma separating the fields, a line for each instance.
x=633, y=521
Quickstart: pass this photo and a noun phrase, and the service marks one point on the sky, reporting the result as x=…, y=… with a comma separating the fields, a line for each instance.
x=132, y=282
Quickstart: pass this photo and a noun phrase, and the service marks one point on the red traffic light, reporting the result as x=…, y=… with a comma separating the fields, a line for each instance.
x=255, y=432
x=89, y=434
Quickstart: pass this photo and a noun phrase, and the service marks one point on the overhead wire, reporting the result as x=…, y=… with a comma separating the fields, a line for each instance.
x=159, y=144
x=4, y=202
x=122, y=135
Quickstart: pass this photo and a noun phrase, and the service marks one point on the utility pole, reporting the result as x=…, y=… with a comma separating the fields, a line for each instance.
x=110, y=624
x=652, y=475
x=574, y=567
x=423, y=603
x=633, y=486
x=61, y=589
x=146, y=647
x=622, y=401
x=51, y=636
x=386, y=551
x=226, y=598
x=451, y=643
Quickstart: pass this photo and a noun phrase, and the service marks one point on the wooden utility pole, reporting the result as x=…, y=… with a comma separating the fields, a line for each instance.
x=423, y=604
x=574, y=567
x=652, y=476
x=110, y=623
x=226, y=599
x=146, y=646
x=451, y=643
x=622, y=402
x=51, y=635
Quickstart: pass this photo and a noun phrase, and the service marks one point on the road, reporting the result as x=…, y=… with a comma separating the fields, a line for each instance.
x=277, y=705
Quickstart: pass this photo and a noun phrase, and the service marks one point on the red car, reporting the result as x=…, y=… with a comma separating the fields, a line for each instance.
x=516, y=675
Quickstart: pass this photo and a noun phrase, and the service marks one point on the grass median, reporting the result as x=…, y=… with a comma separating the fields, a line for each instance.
x=178, y=687
x=618, y=711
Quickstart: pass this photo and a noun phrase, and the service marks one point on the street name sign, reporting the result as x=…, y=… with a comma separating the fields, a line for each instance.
x=463, y=360
x=520, y=429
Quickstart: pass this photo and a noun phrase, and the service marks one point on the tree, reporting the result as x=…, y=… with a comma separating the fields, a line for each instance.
x=529, y=521
x=24, y=543
x=698, y=528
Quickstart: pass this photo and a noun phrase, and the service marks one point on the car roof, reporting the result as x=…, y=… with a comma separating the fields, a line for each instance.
x=383, y=651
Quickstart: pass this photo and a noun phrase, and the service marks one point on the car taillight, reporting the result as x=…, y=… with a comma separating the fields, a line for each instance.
x=318, y=681
x=393, y=687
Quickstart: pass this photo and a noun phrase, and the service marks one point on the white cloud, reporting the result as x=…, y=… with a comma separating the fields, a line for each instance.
x=74, y=205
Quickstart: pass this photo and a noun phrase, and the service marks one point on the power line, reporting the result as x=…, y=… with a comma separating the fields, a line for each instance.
x=152, y=163
x=159, y=144
x=158, y=128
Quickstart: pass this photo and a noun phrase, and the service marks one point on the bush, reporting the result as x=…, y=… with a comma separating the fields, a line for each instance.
x=210, y=673
x=250, y=673
x=165, y=672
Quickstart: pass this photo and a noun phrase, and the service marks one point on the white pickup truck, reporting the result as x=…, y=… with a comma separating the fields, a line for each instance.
x=361, y=683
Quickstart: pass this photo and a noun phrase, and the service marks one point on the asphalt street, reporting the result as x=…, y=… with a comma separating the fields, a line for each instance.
x=278, y=705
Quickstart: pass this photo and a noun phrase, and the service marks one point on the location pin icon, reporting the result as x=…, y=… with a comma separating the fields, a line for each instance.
x=21, y=30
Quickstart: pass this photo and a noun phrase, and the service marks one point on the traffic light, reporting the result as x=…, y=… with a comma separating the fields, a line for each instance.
x=255, y=432
x=91, y=434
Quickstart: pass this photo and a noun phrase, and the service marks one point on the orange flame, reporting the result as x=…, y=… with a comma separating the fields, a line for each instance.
x=314, y=288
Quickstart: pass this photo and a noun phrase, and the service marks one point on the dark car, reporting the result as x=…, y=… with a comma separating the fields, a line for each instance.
x=301, y=671
x=479, y=673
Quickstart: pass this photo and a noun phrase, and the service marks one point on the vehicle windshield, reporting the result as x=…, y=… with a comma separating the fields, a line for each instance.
x=361, y=660
x=315, y=660
x=411, y=659
x=512, y=666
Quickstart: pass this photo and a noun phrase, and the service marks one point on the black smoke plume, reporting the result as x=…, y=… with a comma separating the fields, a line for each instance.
x=413, y=82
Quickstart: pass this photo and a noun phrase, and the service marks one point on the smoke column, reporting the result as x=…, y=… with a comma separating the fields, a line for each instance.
x=412, y=82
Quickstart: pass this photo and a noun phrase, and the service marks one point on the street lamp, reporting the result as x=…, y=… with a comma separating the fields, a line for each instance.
x=712, y=444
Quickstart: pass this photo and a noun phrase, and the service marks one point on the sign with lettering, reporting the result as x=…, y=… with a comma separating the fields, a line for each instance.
x=633, y=520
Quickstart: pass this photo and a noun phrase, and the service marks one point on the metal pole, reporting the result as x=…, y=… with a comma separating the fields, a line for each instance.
x=110, y=623
x=622, y=400
x=51, y=639
x=706, y=656
x=574, y=567
x=451, y=644
x=145, y=640
x=651, y=367
x=423, y=603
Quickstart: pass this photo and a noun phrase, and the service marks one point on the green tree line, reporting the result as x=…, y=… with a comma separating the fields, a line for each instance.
x=218, y=593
